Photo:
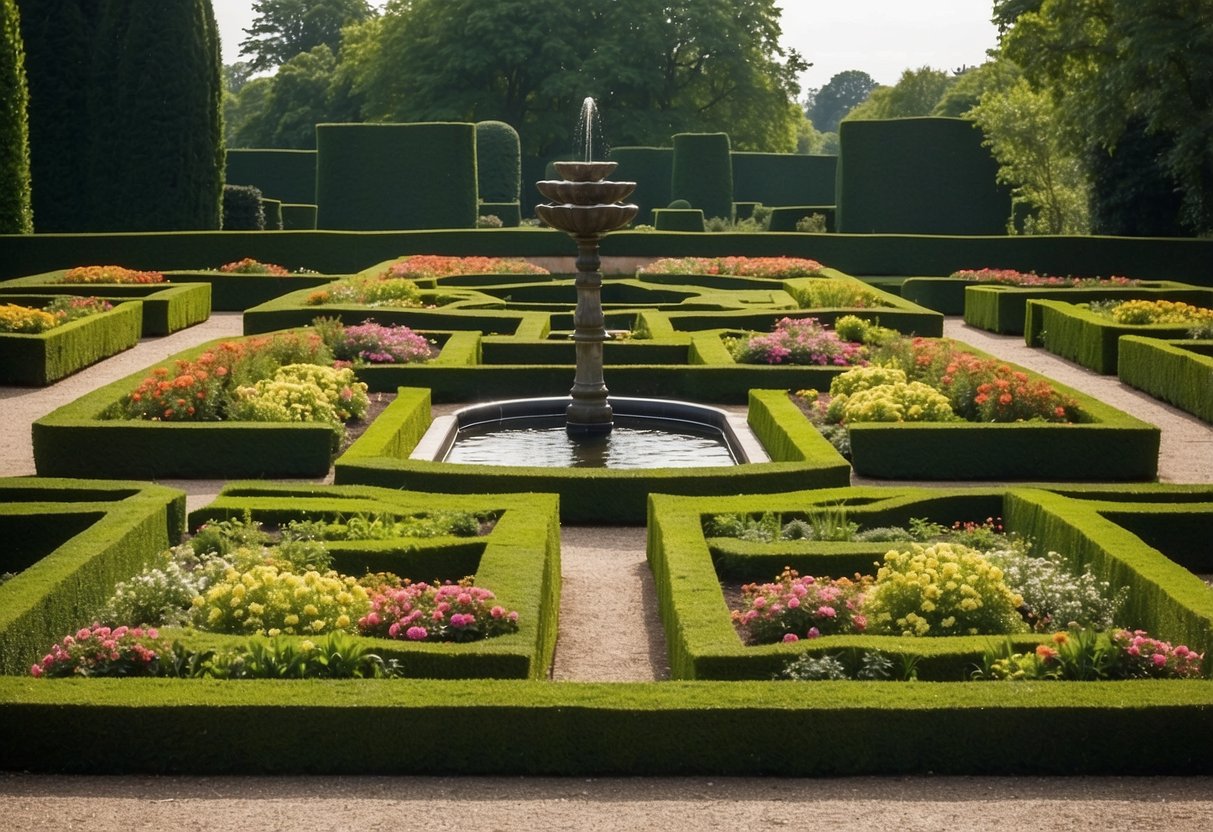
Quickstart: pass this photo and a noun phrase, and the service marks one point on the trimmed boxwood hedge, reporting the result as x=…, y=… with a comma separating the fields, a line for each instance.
x=287, y=175
x=167, y=307
x=1179, y=372
x=1003, y=309
x=678, y=219
x=702, y=173
x=238, y=292
x=69, y=541
x=36, y=360
x=650, y=168
x=1084, y=337
x=784, y=178
x=588, y=495
x=1165, y=598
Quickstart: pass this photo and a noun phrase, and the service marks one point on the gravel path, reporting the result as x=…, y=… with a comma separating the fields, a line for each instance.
x=594, y=559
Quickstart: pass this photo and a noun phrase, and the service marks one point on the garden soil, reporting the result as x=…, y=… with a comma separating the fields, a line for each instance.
x=607, y=589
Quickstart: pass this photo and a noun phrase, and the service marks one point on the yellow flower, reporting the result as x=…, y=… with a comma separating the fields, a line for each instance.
x=291, y=620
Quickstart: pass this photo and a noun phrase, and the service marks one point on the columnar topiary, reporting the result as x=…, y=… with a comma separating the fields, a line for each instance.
x=15, y=214
x=242, y=209
x=650, y=169
x=498, y=161
x=125, y=115
x=703, y=172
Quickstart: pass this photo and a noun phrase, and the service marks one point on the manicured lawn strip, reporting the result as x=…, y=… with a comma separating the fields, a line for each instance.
x=1003, y=309
x=519, y=561
x=1084, y=337
x=36, y=360
x=167, y=307
x=1166, y=599
x=611, y=496
x=115, y=530
x=237, y=292
x=1179, y=372
x=74, y=441
x=1107, y=445
x=518, y=728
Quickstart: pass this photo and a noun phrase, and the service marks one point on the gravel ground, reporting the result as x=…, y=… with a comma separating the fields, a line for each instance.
x=593, y=559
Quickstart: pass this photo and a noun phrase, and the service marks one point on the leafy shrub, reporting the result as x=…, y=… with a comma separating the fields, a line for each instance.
x=242, y=208
x=394, y=293
x=873, y=667
x=1084, y=654
x=70, y=307
x=303, y=393
x=336, y=656
x=865, y=378
x=386, y=527
x=270, y=601
x=447, y=612
x=248, y=265
x=1053, y=596
x=899, y=402
x=797, y=341
x=795, y=607
x=812, y=224
x=489, y=221
x=160, y=594
x=941, y=589
x=109, y=274
x=835, y=294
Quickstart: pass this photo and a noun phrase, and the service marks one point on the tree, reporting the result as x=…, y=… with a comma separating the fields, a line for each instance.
x=970, y=85
x=15, y=214
x=283, y=29
x=283, y=111
x=688, y=66
x=1110, y=64
x=916, y=93
x=1048, y=185
x=844, y=92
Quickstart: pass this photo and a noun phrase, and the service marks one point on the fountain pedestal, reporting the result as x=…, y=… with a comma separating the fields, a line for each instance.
x=587, y=206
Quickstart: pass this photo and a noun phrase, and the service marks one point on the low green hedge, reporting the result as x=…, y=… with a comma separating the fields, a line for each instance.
x=1004, y=308
x=1084, y=337
x=74, y=440
x=1178, y=372
x=69, y=541
x=519, y=560
x=678, y=219
x=785, y=217
x=237, y=292
x=36, y=360
x=591, y=495
x=1165, y=599
x=167, y=308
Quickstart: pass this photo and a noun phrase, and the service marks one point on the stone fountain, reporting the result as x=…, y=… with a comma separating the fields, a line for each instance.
x=586, y=206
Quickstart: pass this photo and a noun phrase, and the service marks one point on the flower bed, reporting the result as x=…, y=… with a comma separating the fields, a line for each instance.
x=244, y=283
x=182, y=417
x=167, y=307
x=1003, y=309
x=928, y=409
x=1176, y=371
x=38, y=358
x=382, y=456
x=1090, y=337
x=770, y=268
x=690, y=564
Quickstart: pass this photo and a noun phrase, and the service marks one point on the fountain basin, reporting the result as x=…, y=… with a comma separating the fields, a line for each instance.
x=585, y=193
x=586, y=220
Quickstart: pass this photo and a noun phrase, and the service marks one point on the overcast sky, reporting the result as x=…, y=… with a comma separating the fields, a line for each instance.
x=880, y=37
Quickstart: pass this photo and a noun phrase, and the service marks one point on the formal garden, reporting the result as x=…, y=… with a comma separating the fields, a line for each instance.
x=235, y=512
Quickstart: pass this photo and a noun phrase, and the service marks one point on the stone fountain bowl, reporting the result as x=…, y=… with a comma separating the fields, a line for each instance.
x=585, y=171
x=585, y=193
x=586, y=220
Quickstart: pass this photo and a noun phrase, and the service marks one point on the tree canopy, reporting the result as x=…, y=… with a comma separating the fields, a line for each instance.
x=843, y=93
x=283, y=29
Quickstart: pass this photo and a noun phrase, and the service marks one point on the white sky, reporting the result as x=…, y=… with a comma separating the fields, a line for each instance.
x=880, y=37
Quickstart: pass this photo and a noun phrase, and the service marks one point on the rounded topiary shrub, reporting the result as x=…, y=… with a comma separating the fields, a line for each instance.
x=498, y=161
x=242, y=209
x=703, y=173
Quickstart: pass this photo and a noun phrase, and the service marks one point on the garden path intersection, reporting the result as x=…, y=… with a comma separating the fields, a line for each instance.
x=591, y=559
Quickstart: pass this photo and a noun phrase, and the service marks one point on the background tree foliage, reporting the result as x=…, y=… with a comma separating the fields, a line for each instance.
x=655, y=68
x=283, y=29
x=844, y=92
x=916, y=93
x=1121, y=71
x=15, y=214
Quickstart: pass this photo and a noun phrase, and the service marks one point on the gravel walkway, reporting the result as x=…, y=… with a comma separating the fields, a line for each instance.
x=593, y=560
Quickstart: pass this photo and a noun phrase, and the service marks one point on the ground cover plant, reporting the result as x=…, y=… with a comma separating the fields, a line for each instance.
x=797, y=341
x=20, y=318
x=109, y=274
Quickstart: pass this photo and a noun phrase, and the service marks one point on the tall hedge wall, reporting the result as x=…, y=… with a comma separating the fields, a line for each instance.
x=703, y=172
x=498, y=161
x=124, y=111
x=15, y=214
x=286, y=175
x=784, y=178
x=395, y=176
x=918, y=176
x=650, y=168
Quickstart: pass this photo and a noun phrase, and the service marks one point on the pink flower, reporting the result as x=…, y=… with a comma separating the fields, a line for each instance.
x=36, y=670
x=788, y=638
x=813, y=632
x=826, y=612
x=417, y=633
x=1159, y=659
x=497, y=612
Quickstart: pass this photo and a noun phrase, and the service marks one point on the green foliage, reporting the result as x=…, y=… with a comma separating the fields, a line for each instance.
x=305, y=91
x=242, y=209
x=1048, y=187
x=916, y=93
x=16, y=216
x=283, y=29
x=1110, y=64
x=703, y=173
x=498, y=162
x=843, y=93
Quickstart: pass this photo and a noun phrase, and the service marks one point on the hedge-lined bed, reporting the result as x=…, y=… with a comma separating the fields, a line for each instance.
x=236, y=292
x=1082, y=524
x=78, y=560
x=1003, y=309
x=39, y=359
x=1085, y=337
x=800, y=456
x=167, y=308
x=1177, y=371
x=68, y=541
x=76, y=441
